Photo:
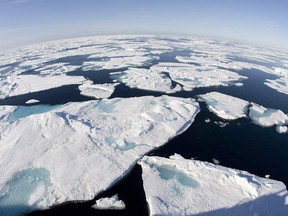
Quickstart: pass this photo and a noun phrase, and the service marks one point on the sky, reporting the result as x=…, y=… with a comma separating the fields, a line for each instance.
x=263, y=22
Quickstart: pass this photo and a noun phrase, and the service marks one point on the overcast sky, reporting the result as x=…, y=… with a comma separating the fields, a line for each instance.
x=28, y=21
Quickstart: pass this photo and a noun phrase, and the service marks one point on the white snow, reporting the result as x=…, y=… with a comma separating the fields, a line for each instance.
x=267, y=117
x=109, y=203
x=147, y=79
x=97, y=90
x=177, y=186
x=282, y=129
x=225, y=106
x=85, y=147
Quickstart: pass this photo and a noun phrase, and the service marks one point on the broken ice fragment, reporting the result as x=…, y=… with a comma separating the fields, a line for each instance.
x=109, y=203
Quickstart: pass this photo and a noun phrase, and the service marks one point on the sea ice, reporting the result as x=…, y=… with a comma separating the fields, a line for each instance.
x=192, y=76
x=97, y=90
x=225, y=106
x=267, y=117
x=109, y=203
x=282, y=129
x=280, y=85
x=147, y=79
x=23, y=84
x=32, y=101
x=87, y=146
x=178, y=186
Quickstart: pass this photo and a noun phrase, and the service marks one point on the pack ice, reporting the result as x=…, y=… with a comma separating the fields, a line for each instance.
x=178, y=186
x=77, y=150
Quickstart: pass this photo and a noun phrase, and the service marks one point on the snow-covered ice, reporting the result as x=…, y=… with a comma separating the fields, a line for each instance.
x=192, y=76
x=267, y=117
x=231, y=108
x=23, y=84
x=280, y=85
x=109, y=203
x=147, y=79
x=97, y=90
x=86, y=147
x=178, y=186
x=225, y=106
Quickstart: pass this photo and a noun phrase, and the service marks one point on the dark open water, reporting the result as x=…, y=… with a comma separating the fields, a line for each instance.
x=241, y=144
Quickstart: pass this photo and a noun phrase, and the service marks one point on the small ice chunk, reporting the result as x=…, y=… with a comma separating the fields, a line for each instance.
x=267, y=117
x=97, y=90
x=32, y=101
x=282, y=129
x=215, y=161
x=214, y=190
x=109, y=203
x=221, y=124
x=267, y=176
x=225, y=106
x=207, y=120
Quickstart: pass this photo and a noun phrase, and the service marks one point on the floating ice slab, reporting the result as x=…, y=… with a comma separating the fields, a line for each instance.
x=280, y=85
x=267, y=117
x=109, y=203
x=177, y=186
x=225, y=106
x=97, y=90
x=192, y=76
x=23, y=84
x=88, y=146
x=147, y=79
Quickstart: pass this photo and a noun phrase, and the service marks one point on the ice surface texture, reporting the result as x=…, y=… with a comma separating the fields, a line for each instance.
x=97, y=144
x=177, y=186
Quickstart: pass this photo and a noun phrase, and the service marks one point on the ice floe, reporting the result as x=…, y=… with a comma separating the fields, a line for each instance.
x=109, y=203
x=83, y=148
x=23, y=84
x=267, y=117
x=225, y=106
x=147, y=79
x=231, y=108
x=193, y=76
x=178, y=186
x=97, y=90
